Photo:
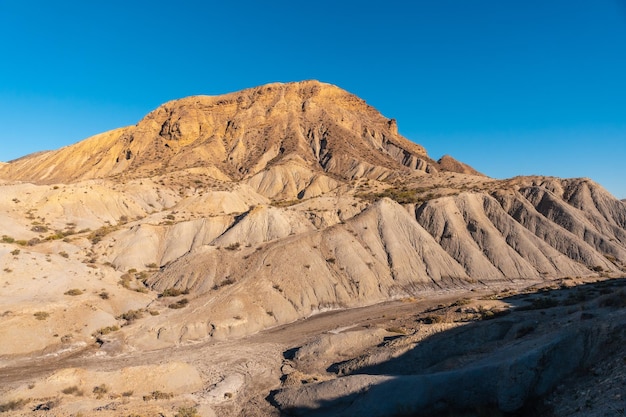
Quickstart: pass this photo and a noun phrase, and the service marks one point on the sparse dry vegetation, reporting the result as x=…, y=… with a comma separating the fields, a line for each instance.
x=233, y=246
x=41, y=315
x=130, y=316
x=187, y=412
x=105, y=330
x=158, y=395
x=73, y=390
x=97, y=235
x=173, y=292
x=179, y=304
x=100, y=390
x=13, y=405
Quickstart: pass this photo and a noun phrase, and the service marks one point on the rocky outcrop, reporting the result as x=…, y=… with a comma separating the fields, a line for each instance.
x=448, y=163
x=320, y=126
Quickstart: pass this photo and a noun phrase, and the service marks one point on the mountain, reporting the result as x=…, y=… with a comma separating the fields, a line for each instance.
x=215, y=218
x=315, y=125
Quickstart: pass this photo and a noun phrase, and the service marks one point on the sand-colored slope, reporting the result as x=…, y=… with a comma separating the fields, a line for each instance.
x=479, y=234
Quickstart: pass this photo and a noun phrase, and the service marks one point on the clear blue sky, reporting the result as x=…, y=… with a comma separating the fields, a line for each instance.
x=510, y=87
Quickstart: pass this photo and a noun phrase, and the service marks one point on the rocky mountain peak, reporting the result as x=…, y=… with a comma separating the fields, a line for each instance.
x=321, y=126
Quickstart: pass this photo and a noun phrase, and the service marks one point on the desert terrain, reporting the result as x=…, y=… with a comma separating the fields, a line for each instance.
x=282, y=250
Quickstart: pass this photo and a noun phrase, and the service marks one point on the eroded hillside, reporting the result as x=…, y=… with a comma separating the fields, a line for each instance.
x=217, y=218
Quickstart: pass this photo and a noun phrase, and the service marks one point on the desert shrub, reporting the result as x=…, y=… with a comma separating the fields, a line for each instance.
x=64, y=254
x=462, y=302
x=100, y=390
x=187, y=412
x=397, y=330
x=7, y=239
x=433, y=318
x=56, y=236
x=157, y=395
x=15, y=252
x=401, y=195
x=104, y=295
x=125, y=281
x=39, y=228
x=179, y=304
x=41, y=315
x=73, y=292
x=488, y=314
x=73, y=390
x=13, y=405
x=131, y=315
x=173, y=292
x=127, y=393
x=233, y=246
x=97, y=235
x=285, y=203
x=105, y=330
x=226, y=281
x=152, y=265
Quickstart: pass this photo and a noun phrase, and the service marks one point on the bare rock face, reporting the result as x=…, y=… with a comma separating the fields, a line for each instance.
x=319, y=125
x=448, y=163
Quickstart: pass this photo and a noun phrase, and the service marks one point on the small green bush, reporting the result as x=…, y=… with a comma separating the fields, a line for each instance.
x=73, y=292
x=7, y=239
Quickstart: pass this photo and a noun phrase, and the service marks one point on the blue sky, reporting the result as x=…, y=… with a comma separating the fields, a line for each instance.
x=510, y=87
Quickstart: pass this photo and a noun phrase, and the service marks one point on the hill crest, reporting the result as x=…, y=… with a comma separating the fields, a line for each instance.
x=321, y=126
